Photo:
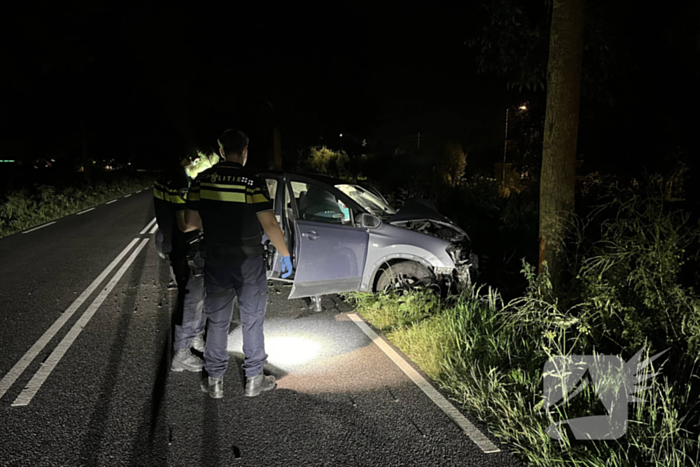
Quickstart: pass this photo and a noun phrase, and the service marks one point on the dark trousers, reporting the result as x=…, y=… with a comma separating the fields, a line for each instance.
x=226, y=278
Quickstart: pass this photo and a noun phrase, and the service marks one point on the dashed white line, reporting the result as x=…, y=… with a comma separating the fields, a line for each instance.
x=110, y=202
x=40, y=227
x=148, y=226
x=127, y=195
x=83, y=212
x=45, y=370
x=466, y=426
x=153, y=230
x=14, y=373
x=139, y=191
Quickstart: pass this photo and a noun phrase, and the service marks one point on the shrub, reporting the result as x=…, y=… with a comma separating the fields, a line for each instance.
x=629, y=280
x=323, y=161
x=27, y=208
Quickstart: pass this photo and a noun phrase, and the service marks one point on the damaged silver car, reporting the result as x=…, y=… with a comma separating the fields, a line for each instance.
x=345, y=237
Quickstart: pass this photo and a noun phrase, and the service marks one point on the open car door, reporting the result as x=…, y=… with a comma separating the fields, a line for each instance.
x=330, y=252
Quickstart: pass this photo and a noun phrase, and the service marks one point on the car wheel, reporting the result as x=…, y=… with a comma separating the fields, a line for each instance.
x=405, y=275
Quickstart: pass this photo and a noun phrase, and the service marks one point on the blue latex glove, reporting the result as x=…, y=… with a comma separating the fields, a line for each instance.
x=286, y=267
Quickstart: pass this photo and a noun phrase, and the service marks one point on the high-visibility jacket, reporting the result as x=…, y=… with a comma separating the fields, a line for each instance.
x=228, y=198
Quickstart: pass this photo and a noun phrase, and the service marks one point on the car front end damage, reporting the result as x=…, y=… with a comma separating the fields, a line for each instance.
x=464, y=270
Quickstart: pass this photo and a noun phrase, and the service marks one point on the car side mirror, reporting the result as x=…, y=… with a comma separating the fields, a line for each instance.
x=368, y=221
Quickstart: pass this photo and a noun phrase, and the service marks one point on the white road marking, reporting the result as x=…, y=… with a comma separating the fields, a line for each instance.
x=139, y=191
x=14, y=373
x=87, y=210
x=153, y=230
x=145, y=229
x=110, y=202
x=45, y=370
x=470, y=430
x=127, y=195
x=40, y=227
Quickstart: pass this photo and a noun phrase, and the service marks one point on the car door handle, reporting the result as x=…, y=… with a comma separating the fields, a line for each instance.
x=311, y=235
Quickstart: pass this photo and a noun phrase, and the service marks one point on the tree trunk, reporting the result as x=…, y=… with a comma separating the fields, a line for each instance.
x=87, y=162
x=558, y=180
x=277, y=148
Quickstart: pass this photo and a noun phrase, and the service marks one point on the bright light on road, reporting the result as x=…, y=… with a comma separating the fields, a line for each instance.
x=285, y=351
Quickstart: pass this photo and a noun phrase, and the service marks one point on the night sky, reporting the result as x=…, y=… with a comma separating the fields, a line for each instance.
x=142, y=80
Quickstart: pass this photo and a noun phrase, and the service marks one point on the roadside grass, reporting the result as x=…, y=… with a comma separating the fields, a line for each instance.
x=27, y=208
x=489, y=357
x=626, y=294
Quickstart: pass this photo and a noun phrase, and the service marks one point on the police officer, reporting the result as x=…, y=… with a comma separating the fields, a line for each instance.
x=233, y=205
x=170, y=193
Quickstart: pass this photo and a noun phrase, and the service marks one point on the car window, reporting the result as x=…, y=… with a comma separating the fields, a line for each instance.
x=317, y=203
x=368, y=200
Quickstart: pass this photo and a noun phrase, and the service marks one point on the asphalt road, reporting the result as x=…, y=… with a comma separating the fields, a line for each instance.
x=104, y=396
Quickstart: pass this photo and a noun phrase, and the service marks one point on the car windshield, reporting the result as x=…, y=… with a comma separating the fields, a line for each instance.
x=368, y=200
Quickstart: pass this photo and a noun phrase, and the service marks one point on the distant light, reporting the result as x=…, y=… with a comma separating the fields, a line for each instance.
x=7, y=160
x=341, y=135
x=523, y=107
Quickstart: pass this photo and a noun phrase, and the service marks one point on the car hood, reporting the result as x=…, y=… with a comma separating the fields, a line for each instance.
x=422, y=209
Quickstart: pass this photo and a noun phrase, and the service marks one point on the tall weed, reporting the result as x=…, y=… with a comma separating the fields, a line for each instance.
x=629, y=280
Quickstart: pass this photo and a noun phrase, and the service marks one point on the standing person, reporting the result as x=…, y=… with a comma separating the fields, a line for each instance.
x=233, y=205
x=170, y=194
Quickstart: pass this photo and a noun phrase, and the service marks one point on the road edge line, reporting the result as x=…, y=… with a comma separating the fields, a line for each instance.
x=40, y=227
x=446, y=406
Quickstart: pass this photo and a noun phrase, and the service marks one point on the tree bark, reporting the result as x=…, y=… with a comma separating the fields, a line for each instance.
x=87, y=162
x=558, y=177
x=277, y=148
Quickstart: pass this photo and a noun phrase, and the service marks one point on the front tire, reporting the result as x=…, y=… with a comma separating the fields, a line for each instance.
x=405, y=275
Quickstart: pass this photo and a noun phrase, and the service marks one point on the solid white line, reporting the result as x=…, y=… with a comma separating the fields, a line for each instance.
x=153, y=230
x=127, y=195
x=87, y=210
x=110, y=202
x=470, y=430
x=45, y=370
x=40, y=227
x=145, y=229
x=12, y=375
